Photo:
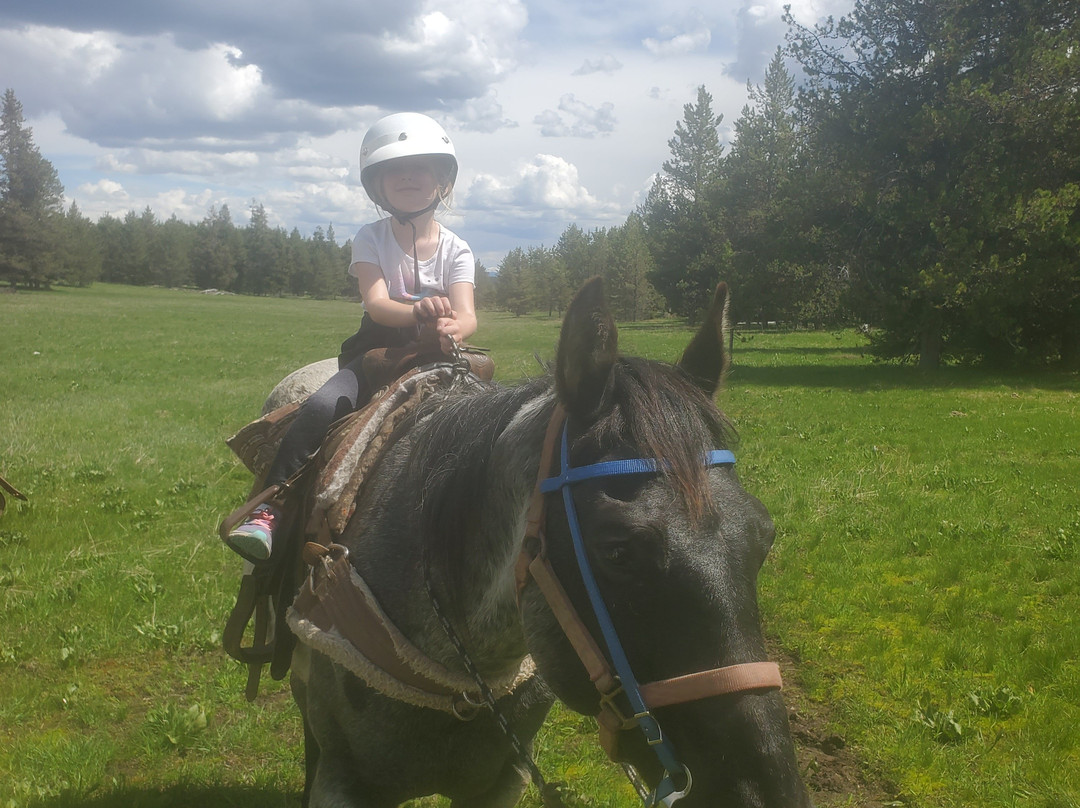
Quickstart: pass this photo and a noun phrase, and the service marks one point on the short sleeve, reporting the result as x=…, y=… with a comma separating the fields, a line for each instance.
x=364, y=250
x=463, y=266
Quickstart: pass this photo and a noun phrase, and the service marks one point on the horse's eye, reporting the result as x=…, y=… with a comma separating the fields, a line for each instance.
x=626, y=551
x=617, y=554
x=613, y=553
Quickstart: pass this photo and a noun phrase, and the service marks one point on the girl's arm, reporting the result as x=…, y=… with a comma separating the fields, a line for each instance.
x=460, y=323
x=453, y=317
x=377, y=301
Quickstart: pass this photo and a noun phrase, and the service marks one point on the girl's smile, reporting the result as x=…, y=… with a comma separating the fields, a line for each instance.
x=409, y=184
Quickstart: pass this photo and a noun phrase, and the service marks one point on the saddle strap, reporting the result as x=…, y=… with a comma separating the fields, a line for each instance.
x=337, y=614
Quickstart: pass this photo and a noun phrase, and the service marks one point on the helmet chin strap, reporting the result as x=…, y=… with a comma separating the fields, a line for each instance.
x=407, y=217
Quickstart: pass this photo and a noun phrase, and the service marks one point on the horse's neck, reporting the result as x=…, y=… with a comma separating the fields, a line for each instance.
x=478, y=587
x=491, y=603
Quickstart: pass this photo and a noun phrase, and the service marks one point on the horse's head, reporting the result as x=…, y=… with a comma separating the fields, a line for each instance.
x=674, y=554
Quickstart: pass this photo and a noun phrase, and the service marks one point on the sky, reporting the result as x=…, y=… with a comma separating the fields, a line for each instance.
x=560, y=110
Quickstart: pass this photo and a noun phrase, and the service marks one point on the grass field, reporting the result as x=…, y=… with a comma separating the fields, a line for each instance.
x=925, y=579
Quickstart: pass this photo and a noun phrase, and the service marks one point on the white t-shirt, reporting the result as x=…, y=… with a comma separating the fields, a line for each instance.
x=453, y=261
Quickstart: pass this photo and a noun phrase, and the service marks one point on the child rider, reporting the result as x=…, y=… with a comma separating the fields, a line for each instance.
x=412, y=272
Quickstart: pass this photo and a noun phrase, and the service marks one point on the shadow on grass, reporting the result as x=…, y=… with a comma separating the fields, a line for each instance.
x=894, y=376
x=661, y=326
x=180, y=796
x=795, y=350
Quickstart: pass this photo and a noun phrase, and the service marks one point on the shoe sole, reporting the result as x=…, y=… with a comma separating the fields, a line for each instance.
x=250, y=548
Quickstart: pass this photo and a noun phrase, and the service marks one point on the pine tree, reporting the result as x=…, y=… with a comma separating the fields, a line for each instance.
x=217, y=250
x=953, y=131
x=79, y=254
x=685, y=235
x=633, y=297
x=696, y=152
x=31, y=204
x=512, y=290
x=757, y=173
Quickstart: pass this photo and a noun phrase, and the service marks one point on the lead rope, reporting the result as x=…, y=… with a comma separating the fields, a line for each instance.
x=639, y=785
x=550, y=793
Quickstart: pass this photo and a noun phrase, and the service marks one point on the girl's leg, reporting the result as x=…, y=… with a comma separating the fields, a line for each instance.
x=341, y=394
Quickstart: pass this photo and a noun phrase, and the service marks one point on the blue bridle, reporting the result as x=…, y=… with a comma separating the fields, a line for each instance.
x=666, y=793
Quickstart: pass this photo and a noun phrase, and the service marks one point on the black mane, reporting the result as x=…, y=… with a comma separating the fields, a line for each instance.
x=651, y=409
x=450, y=463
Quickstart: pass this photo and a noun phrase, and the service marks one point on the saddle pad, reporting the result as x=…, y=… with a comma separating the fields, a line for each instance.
x=336, y=613
x=256, y=444
x=357, y=442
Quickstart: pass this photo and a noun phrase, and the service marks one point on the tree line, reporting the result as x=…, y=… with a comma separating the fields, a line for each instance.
x=42, y=244
x=922, y=182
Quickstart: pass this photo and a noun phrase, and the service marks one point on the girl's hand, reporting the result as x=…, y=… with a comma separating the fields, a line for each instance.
x=429, y=309
x=448, y=330
x=437, y=312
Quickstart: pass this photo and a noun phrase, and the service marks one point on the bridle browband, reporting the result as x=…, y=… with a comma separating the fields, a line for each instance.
x=620, y=685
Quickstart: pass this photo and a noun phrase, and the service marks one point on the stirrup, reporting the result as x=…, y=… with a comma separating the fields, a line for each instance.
x=240, y=515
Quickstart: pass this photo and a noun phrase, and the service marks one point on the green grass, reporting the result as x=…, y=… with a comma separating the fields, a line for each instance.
x=925, y=571
x=925, y=577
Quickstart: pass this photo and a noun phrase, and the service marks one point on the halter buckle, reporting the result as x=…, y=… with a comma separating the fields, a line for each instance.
x=617, y=720
x=675, y=796
x=650, y=728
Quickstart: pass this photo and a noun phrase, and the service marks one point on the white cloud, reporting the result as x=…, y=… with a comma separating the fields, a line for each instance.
x=112, y=163
x=180, y=106
x=195, y=163
x=138, y=82
x=761, y=28
x=150, y=91
x=483, y=114
x=452, y=51
x=605, y=64
x=104, y=191
x=546, y=183
x=576, y=119
x=691, y=36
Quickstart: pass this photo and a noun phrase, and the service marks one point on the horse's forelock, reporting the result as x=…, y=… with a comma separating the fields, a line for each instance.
x=661, y=413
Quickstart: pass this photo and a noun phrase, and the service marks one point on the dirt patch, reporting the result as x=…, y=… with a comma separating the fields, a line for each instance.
x=830, y=767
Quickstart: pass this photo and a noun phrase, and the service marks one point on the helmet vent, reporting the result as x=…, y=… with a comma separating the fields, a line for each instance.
x=403, y=136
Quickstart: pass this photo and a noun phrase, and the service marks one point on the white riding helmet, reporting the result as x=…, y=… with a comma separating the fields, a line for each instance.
x=403, y=134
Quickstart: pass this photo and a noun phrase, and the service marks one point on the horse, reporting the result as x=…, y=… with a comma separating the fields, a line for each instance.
x=609, y=482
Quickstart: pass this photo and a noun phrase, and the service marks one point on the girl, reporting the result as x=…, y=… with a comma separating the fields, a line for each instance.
x=412, y=272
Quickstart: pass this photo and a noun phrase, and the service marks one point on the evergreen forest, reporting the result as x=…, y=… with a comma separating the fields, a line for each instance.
x=911, y=168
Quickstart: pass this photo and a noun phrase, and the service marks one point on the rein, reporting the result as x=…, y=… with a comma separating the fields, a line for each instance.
x=620, y=685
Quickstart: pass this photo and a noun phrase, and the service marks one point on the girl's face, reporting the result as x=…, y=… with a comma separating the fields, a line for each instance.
x=409, y=184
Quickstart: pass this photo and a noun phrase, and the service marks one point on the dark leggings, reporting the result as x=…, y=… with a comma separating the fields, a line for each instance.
x=341, y=394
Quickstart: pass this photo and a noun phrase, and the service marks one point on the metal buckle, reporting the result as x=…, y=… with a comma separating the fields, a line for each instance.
x=607, y=702
x=675, y=796
x=650, y=728
x=465, y=709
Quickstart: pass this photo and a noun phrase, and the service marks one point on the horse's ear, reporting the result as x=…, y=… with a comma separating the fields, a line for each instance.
x=587, y=348
x=706, y=357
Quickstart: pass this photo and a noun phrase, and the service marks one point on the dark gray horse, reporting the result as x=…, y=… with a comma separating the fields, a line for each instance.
x=673, y=553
